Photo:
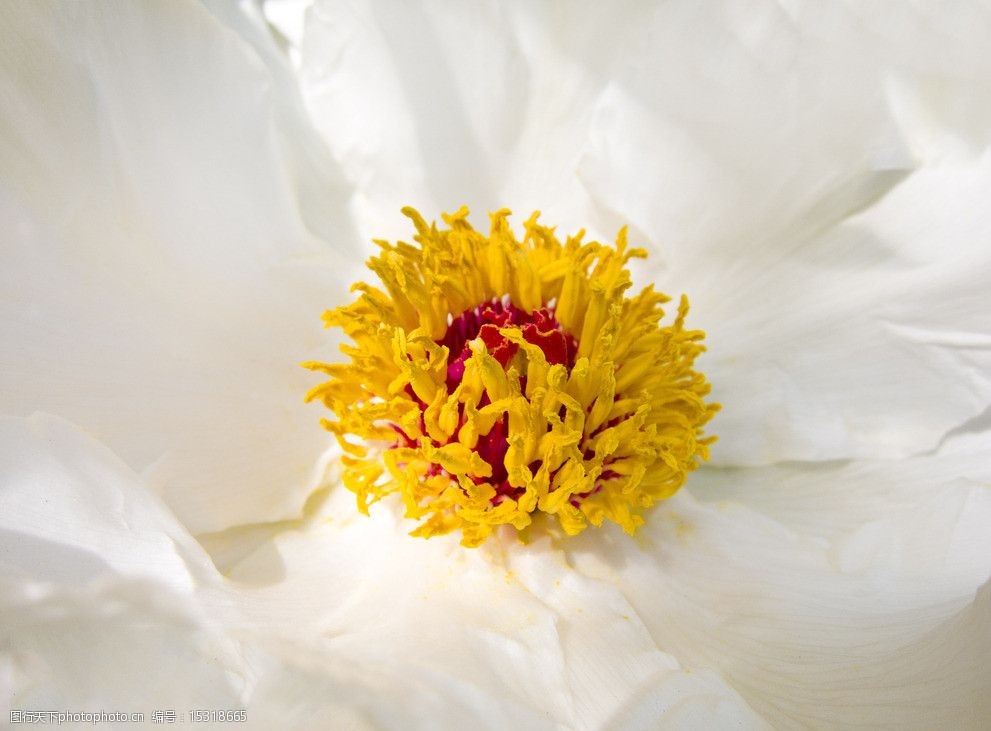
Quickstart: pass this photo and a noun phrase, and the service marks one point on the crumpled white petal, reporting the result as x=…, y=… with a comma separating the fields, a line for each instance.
x=716, y=612
x=103, y=589
x=873, y=339
x=844, y=596
x=819, y=607
x=541, y=640
x=438, y=106
x=719, y=614
x=160, y=272
x=438, y=638
x=70, y=514
x=100, y=584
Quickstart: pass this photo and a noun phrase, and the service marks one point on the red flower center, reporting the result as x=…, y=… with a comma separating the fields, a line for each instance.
x=539, y=328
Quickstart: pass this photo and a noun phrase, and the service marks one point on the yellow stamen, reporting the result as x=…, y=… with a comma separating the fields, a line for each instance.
x=508, y=425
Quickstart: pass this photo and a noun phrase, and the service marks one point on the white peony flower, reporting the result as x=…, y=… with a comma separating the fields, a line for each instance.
x=184, y=189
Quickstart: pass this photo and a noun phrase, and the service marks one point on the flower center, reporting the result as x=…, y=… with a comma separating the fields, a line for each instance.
x=486, y=322
x=558, y=394
x=538, y=328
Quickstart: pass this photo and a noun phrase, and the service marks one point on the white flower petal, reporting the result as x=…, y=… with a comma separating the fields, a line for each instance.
x=871, y=340
x=367, y=625
x=850, y=625
x=99, y=584
x=437, y=106
x=940, y=90
x=827, y=631
x=161, y=277
x=738, y=126
x=285, y=19
x=542, y=639
x=71, y=513
x=97, y=648
x=101, y=588
x=815, y=623
x=320, y=690
x=831, y=500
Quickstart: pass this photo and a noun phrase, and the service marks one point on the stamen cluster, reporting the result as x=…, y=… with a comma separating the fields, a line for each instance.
x=493, y=380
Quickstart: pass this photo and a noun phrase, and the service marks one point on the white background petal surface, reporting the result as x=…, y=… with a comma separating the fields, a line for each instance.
x=160, y=285
x=184, y=189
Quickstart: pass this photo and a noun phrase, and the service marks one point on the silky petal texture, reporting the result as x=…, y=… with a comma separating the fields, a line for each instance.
x=717, y=612
x=787, y=163
x=683, y=629
x=285, y=20
x=866, y=618
x=119, y=592
x=162, y=271
x=872, y=623
x=91, y=560
x=882, y=342
x=841, y=596
x=68, y=514
x=111, y=563
x=544, y=641
x=437, y=106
